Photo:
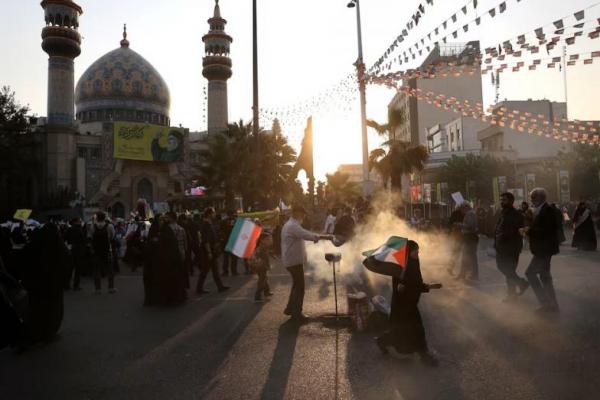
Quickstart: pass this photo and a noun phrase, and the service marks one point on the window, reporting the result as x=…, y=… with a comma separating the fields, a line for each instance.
x=82, y=152
x=96, y=154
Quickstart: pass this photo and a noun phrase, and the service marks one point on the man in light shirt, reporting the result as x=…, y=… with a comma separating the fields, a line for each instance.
x=293, y=257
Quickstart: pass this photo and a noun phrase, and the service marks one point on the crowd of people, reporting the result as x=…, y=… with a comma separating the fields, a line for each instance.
x=45, y=260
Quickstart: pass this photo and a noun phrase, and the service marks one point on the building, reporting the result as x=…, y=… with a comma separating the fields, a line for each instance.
x=436, y=128
x=110, y=139
x=217, y=69
x=510, y=143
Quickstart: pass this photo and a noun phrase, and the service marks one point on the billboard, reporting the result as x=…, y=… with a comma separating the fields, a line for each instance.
x=147, y=142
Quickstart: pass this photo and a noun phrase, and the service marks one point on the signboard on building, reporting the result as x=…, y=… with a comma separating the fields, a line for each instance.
x=564, y=187
x=427, y=193
x=147, y=142
x=416, y=194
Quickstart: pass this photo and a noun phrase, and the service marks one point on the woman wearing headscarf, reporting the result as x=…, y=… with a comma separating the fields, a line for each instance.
x=585, y=232
x=407, y=333
x=152, y=263
x=46, y=259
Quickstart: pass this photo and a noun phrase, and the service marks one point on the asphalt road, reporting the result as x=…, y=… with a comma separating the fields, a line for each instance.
x=224, y=346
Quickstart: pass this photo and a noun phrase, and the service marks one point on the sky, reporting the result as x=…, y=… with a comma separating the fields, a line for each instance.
x=305, y=48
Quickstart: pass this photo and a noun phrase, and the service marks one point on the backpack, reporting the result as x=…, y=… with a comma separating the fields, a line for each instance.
x=100, y=241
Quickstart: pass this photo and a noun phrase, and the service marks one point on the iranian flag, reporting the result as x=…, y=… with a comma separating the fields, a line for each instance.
x=243, y=238
x=389, y=259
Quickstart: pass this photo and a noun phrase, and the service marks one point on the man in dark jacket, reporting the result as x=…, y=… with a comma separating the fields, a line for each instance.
x=508, y=244
x=543, y=237
x=75, y=238
x=209, y=253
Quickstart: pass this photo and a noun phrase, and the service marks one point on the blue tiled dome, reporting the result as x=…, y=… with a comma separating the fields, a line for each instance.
x=123, y=82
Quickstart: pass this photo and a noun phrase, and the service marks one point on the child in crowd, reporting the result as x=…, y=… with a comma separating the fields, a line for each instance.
x=260, y=264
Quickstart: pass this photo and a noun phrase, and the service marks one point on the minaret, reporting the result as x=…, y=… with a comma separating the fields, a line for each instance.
x=217, y=69
x=61, y=41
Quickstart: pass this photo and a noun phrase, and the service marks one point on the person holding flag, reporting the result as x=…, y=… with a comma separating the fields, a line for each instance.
x=293, y=257
x=399, y=258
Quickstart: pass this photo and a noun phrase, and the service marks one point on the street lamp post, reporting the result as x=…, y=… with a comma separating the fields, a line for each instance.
x=254, y=72
x=360, y=69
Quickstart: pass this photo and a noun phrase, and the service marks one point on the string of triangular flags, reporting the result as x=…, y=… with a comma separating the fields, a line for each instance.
x=564, y=130
x=433, y=37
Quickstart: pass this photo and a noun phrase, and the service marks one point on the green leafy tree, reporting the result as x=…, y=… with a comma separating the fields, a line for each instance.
x=20, y=158
x=477, y=172
x=583, y=164
x=395, y=158
x=258, y=168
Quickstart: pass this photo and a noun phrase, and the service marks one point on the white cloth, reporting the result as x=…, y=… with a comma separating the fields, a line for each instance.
x=293, y=236
x=329, y=224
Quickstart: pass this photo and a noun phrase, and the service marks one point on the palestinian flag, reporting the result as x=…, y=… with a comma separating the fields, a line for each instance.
x=389, y=259
x=243, y=238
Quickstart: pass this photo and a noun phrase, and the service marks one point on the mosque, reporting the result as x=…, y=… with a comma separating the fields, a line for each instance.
x=109, y=138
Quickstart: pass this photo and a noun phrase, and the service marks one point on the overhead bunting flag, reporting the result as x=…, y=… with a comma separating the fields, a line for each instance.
x=580, y=15
x=502, y=7
x=389, y=259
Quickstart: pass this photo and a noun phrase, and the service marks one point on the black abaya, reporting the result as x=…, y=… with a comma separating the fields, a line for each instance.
x=407, y=334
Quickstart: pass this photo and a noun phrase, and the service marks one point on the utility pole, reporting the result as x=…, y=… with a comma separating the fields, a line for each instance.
x=360, y=69
x=255, y=71
x=564, y=67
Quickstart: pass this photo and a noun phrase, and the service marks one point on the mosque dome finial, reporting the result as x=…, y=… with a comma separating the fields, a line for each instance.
x=217, y=13
x=124, y=42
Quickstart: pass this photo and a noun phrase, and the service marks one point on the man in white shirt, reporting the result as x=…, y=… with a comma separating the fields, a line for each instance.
x=293, y=257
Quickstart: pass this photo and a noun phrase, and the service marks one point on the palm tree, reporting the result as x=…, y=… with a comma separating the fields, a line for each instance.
x=395, y=158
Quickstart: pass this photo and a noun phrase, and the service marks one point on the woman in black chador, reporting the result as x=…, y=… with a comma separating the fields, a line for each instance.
x=407, y=334
x=585, y=232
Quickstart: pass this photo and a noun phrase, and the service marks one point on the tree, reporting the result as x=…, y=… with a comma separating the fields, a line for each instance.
x=259, y=168
x=339, y=189
x=395, y=158
x=583, y=164
x=479, y=171
x=19, y=155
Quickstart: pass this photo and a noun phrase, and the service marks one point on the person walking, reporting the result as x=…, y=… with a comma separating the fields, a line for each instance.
x=260, y=264
x=75, y=238
x=543, y=240
x=407, y=333
x=469, y=269
x=209, y=253
x=293, y=257
x=508, y=244
x=454, y=225
x=229, y=259
x=584, y=237
x=102, y=234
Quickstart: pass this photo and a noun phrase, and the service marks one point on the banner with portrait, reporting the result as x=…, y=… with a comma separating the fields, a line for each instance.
x=146, y=142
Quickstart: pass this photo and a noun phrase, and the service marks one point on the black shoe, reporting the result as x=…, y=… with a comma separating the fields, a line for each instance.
x=201, y=292
x=287, y=312
x=381, y=346
x=235, y=273
x=429, y=359
x=223, y=289
x=225, y=273
x=77, y=289
x=523, y=286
